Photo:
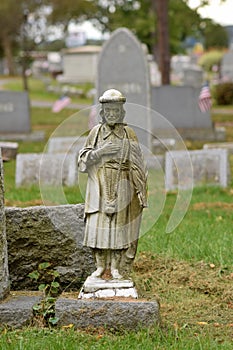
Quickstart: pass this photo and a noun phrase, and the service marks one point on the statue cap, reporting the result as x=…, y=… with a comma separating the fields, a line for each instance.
x=112, y=95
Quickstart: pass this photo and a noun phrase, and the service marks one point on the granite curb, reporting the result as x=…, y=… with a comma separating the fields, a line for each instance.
x=17, y=312
x=114, y=314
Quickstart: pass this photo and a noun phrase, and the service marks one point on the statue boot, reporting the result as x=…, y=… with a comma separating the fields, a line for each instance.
x=115, y=263
x=100, y=263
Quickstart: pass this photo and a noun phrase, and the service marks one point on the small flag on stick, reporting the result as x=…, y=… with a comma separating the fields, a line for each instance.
x=61, y=103
x=205, y=101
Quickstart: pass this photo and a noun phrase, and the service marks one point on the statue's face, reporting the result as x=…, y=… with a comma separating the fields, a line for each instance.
x=112, y=113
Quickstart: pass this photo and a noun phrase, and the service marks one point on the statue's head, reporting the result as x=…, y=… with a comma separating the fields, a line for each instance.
x=112, y=111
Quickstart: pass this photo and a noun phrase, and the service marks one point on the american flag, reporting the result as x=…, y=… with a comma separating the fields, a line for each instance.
x=61, y=103
x=205, y=101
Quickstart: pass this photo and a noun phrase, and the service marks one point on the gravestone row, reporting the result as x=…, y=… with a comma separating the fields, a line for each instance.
x=123, y=65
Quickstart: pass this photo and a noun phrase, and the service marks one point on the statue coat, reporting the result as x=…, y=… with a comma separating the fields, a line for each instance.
x=120, y=178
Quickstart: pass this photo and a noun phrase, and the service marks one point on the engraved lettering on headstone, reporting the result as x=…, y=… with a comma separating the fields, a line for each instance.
x=6, y=107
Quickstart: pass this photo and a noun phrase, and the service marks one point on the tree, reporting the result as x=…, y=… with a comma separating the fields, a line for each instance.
x=215, y=36
x=163, y=40
x=65, y=11
x=162, y=24
x=151, y=20
x=12, y=18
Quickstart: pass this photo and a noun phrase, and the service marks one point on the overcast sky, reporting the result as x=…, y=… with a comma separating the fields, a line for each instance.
x=221, y=13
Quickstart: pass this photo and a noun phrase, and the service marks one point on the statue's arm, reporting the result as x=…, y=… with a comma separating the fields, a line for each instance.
x=88, y=155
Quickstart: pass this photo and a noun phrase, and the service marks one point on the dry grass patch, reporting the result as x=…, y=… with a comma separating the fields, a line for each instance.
x=192, y=295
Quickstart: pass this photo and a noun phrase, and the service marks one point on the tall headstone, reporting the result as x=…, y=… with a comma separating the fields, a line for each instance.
x=123, y=65
x=14, y=112
x=4, y=275
x=227, y=66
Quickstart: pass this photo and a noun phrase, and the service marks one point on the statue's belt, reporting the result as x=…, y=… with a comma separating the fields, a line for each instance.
x=115, y=165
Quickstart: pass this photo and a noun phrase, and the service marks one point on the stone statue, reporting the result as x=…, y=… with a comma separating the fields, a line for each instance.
x=116, y=189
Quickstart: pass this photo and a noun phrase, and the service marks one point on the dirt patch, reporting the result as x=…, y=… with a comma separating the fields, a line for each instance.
x=212, y=205
x=193, y=295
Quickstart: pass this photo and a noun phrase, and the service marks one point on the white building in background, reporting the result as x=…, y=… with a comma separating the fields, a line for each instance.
x=76, y=38
x=79, y=64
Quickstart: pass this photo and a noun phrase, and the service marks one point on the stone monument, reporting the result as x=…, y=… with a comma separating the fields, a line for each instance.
x=209, y=167
x=183, y=113
x=4, y=275
x=226, y=66
x=46, y=168
x=14, y=113
x=113, y=160
x=123, y=65
x=15, y=119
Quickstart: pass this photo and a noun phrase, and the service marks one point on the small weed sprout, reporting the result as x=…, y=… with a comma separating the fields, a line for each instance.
x=47, y=280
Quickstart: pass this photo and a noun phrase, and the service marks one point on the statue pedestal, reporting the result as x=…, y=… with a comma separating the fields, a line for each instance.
x=113, y=314
x=94, y=288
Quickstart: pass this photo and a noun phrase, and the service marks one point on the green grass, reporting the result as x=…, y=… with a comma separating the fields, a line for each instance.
x=147, y=340
x=205, y=233
x=37, y=90
x=189, y=270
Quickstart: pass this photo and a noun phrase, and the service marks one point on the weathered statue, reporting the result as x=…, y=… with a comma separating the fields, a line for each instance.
x=116, y=188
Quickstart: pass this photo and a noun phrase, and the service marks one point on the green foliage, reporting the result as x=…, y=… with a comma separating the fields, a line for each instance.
x=63, y=11
x=141, y=18
x=183, y=22
x=215, y=36
x=47, y=280
x=223, y=94
x=153, y=338
x=209, y=59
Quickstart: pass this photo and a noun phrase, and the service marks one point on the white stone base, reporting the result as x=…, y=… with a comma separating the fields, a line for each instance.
x=99, y=288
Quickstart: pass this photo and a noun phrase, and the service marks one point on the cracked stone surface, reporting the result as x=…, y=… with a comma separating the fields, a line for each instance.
x=110, y=313
x=101, y=288
x=52, y=234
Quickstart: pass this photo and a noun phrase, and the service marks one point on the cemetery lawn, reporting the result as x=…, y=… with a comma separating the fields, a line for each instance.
x=37, y=89
x=189, y=270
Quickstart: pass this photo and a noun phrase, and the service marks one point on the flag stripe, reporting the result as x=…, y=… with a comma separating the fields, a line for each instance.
x=60, y=104
x=205, y=101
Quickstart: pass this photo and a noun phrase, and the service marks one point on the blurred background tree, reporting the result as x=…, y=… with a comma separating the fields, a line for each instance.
x=163, y=25
x=12, y=19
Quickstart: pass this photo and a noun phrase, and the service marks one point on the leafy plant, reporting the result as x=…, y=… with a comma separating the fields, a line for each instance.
x=48, y=283
x=223, y=94
x=210, y=59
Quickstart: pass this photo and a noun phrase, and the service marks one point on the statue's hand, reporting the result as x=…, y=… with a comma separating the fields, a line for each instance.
x=109, y=148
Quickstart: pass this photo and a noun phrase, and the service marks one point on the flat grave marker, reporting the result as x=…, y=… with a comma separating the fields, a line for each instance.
x=209, y=167
x=47, y=169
